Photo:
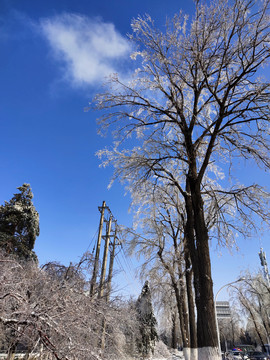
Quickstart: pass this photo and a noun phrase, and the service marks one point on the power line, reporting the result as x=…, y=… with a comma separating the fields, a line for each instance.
x=92, y=240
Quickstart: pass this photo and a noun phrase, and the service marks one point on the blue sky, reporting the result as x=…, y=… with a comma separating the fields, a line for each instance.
x=54, y=57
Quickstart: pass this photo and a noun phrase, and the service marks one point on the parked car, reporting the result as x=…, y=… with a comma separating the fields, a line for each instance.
x=244, y=348
x=257, y=355
x=235, y=355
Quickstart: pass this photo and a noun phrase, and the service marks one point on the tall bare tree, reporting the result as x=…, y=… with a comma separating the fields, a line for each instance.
x=197, y=102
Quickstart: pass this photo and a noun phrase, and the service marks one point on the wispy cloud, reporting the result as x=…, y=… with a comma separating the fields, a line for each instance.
x=89, y=48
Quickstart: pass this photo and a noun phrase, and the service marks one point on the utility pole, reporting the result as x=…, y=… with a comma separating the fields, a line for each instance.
x=102, y=280
x=94, y=277
x=112, y=255
x=104, y=264
x=105, y=256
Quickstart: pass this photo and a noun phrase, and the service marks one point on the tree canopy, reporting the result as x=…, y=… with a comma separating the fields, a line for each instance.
x=147, y=322
x=19, y=224
x=198, y=102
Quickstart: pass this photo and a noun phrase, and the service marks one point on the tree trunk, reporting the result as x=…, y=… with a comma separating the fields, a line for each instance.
x=185, y=316
x=182, y=311
x=203, y=285
x=191, y=305
x=11, y=352
x=182, y=307
x=174, y=333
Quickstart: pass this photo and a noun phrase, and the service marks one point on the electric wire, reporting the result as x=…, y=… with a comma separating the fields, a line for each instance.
x=128, y=279
x=127, y=260
x=127, y=269
x=91, y=242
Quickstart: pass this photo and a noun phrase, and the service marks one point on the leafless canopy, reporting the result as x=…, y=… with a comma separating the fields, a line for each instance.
x=198, y=105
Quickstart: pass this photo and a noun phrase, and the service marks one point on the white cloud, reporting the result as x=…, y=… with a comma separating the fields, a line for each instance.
x=89, y=48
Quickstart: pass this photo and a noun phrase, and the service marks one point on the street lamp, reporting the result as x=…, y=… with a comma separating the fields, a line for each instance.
x=215, y=304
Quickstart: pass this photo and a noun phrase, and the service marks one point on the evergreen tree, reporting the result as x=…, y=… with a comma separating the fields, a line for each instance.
x=19, y=224
x=147, y=321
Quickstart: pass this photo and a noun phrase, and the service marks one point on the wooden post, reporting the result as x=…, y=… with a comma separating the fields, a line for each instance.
x=112, y=255
x=94, y=277
x=105, y=256
x=102, y=281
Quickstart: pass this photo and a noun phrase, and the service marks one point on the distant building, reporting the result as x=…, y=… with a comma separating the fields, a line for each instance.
x=223, y=309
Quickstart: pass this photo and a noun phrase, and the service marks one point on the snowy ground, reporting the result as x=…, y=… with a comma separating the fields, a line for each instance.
x=175, y=355
x=162, y=352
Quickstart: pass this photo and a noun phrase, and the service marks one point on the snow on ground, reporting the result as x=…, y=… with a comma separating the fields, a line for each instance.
x=174, y=355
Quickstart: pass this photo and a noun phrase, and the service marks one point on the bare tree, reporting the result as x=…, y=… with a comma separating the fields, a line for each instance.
x=169, y=325
x=195, y=105
x=161, y=220
x=253, y=295
x=50, y=312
